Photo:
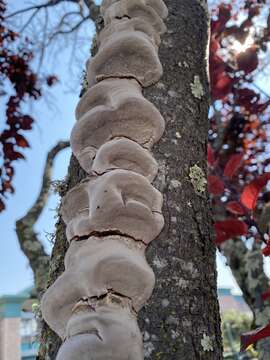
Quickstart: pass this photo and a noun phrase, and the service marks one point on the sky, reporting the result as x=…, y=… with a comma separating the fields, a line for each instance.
x=55, y=118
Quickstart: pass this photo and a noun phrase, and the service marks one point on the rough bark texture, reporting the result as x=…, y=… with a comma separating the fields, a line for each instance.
x=183, y=311
x=181, y=321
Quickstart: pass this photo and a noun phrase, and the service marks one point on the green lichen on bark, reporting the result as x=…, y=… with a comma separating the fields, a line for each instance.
x=206, y=343
x=197, y=88
x=198, y=179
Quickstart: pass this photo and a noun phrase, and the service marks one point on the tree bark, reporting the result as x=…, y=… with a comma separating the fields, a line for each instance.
x=181, y=320
x=247, y=268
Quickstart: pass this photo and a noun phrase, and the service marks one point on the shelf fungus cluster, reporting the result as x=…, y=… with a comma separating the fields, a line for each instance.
x=115, y=212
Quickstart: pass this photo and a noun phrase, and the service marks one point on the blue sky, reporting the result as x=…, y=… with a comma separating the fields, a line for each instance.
x=55, y=118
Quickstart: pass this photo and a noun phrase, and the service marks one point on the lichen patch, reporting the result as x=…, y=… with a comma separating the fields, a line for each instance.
x=175, y=183
x=159, y=263
x=197, y=179
x=148, y=349
x=206, y=343
x=197, y=88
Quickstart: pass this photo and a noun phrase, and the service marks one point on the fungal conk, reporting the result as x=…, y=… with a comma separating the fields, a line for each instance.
x=115, y=212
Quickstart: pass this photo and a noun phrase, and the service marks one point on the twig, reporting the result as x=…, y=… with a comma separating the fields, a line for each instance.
x=38, y=7
x=69, y=31
x=29, y=20
x=42, y=52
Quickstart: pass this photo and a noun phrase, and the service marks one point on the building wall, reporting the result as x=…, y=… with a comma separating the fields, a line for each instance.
x=228, y=301
x=10, y=339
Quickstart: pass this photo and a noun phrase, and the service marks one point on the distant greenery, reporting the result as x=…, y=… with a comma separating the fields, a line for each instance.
x=233, y=325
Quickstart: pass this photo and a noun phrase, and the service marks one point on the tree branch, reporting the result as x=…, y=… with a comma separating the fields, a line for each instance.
x=30, y=245
x=38, y=7
x=247, y=268
x=69, y=31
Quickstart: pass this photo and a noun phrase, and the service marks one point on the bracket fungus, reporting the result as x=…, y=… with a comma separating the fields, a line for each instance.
x=135, y=9
x=157, y=5
x=124, y=24
x=126, y=54
x=106, y=331
x=111, y=109
x=122, y=153
x=93, y=267
x=118, y=201
x=114, y=213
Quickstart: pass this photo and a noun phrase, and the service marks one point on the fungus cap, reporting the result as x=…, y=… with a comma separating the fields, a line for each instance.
x=158, y=5
x=107, y=333
x=129, y=54
x=94, y=267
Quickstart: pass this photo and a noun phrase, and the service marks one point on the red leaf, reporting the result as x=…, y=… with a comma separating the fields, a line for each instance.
x=251, y=337
x=248, y=60
x=214, y=45
x=265, y=295
x=26, y=122
x=247, y=98
x=222, y=87
x=235, y=208
x=259, y=108
x=21, y=141
x=233, y=165
x=7, y=186
x=215, y=185
x=51, y=80
x=224, y=16
x=2, y=205
x=266, y=249
x=16, y=155
x=251, y=191
x=228, y=229
x=210, y=155
x=217, y=67
x=9, y=171
x=253, y=11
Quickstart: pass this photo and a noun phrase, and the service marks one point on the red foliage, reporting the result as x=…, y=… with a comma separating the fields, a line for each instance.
x=247, y=61
x=15, y=70
x=229, y=228
x=251, y=191
x=233, y=165
x=235, y=208
x=51, y=80
x=266, y=249
x=222, y=86
x=265, y=295
x=253, y=336
x=239, y=126
x=215, y=185
x=248, y=98
x=210, y=155
x=224, y=15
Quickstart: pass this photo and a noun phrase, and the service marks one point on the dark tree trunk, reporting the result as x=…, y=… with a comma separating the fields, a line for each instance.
x=181, y=321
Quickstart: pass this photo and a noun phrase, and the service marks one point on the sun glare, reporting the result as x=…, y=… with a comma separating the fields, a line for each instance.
x=239, y=47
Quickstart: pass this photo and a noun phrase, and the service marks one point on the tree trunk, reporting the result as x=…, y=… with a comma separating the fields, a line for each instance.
x=181, y=320
x=247, y=268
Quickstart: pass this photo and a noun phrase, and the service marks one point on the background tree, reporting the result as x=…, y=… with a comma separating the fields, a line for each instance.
x=233, y=325
x=29, y=241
